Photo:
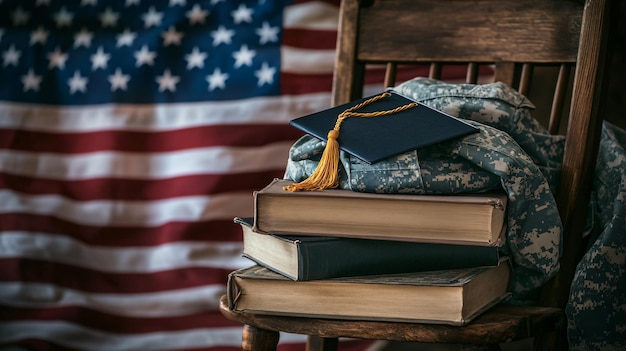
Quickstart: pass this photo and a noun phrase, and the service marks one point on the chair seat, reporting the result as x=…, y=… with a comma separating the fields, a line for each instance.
x=502, y=323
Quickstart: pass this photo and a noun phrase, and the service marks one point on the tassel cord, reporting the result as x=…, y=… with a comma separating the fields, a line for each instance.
x=326, y=175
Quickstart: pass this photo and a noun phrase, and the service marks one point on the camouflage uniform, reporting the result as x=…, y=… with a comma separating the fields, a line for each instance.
x=596, y=309
x=511, y=151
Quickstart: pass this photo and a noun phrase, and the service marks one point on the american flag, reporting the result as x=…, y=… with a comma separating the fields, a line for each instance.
x=131, y=133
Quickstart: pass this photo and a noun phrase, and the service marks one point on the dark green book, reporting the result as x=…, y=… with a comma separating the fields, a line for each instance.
x=322, y=257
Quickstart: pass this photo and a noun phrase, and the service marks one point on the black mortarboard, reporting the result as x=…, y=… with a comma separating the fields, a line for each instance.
x=378, y=127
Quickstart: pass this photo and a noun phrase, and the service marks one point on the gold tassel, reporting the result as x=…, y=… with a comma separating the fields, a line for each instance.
x=326, y=175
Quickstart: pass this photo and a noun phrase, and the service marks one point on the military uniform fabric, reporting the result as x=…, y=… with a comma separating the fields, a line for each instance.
x=596, y=309
x=496, y=105
x=489, y=159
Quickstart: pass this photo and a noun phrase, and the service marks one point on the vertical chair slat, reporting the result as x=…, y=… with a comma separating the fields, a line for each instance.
x=559, y=98
x=472, y=73
x=390, y=74
x=505, y=73
x=525, y=78
x=435, y=71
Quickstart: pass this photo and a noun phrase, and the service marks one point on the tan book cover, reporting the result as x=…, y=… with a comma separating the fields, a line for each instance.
x=477, y=219
x=441, y=297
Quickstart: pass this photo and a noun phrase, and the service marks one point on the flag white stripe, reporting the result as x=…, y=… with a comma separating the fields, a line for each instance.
x=130, y=213
x=159, y=117
x=297, y=60
x=313, y=15
x=82, y=338
x=174, y=255
x=108, y=164
x=169, y=303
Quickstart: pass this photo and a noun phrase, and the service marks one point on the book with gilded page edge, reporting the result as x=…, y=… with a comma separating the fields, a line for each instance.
x=468, y=219
x=441, y=297
x=322, y=257
x=373, y=139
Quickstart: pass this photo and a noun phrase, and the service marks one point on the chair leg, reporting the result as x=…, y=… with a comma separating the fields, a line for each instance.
x=257, y=339
x=316, y=343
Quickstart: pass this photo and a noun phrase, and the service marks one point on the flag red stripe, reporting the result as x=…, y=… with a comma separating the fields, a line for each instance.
x=299, y=84
x=126, y=189
x=89, y=280
x=119, y=236
x=118, y=324
x=310, y=39
x=149, y=142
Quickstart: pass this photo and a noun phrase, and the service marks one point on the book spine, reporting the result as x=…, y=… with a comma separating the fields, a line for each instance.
x=360, y=257
x=232, y=291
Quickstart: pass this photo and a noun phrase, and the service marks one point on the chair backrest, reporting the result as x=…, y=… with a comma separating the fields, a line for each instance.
x=514, y=37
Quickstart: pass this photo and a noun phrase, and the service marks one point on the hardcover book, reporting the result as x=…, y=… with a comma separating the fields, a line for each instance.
x=447, y=297
x=322, y=257
x=373, y=139
x=476, y=219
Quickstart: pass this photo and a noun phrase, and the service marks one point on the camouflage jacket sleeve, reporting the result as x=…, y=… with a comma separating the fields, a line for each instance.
x=486, y=160
x=596, y=309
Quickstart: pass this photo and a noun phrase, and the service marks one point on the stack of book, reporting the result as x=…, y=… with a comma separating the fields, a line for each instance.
x=349, y=255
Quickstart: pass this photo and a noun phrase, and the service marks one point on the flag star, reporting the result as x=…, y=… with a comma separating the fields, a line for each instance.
x=243, y=56
x=172, y=37
x=217, y=79
x=63, y=18
x=222, y=35
x=144, y=56
x=57, y=59
x=39, y=36
x=20, y=16
x=197, y=14
x=152, y=18
x=195, y=59
x=178, y=2
x=83, y=38
x=31, y=81
x=119, y=80
x=100, y=59
x=265, y=74
x=88, y=2
x=267, y=33
x=131, y=2
x=242, y=14
x=126, y=38
x=167, y=81
x=77, y=83
x=109, y=18
x=11, y=56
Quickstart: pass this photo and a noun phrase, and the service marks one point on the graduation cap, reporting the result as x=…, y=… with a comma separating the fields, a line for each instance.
x=373, y=129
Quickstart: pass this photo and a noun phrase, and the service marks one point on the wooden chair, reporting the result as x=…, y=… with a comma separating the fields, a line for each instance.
x=514, y=36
